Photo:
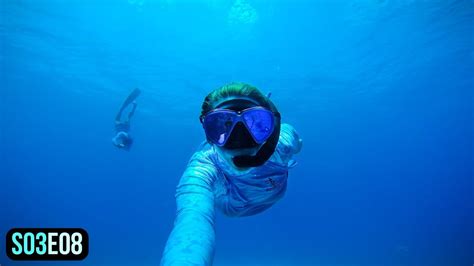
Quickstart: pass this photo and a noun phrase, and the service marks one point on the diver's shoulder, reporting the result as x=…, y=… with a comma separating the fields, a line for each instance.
x=205, y=151
x=289, y=140
x=288, y=133
x=285, y=127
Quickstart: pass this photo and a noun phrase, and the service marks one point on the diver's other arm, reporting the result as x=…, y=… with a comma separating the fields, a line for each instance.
x=192, y=239
x=129, y=100
x=132, y=112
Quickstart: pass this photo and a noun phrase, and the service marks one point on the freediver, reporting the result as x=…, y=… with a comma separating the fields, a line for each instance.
x=242, y=170
x=122, y=138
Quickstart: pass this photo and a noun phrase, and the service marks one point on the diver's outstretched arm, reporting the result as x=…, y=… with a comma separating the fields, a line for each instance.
x=192, y=239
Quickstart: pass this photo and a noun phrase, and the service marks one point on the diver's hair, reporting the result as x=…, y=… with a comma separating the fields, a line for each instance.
x=235, y=89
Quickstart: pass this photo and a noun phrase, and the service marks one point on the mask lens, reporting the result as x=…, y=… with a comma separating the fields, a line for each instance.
x=260, y=123
x=218, y=126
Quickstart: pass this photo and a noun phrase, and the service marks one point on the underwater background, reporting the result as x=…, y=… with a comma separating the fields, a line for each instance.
x=381, y=92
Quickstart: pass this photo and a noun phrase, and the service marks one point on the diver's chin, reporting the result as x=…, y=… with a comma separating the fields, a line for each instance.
x=241, y=152
x=229, y=154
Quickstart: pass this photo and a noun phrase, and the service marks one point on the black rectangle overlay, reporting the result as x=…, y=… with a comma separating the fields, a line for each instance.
x=47, y=244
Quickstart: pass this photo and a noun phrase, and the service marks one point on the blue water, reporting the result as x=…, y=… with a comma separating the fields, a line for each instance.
x=380, y=91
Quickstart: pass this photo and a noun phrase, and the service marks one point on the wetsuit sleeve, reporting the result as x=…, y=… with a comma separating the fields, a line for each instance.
x=191, y=241
x=289, y=143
